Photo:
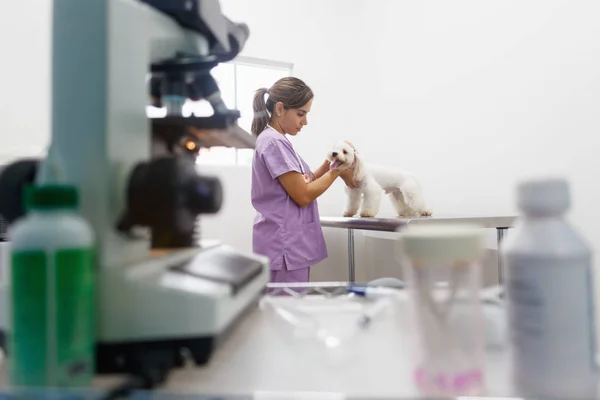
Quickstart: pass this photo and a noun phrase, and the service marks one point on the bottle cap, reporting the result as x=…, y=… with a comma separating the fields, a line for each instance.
x=543, y=196
x=51, y=197
x=461, y=242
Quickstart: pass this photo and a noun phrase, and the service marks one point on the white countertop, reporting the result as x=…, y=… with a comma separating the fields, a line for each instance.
x=261, y=357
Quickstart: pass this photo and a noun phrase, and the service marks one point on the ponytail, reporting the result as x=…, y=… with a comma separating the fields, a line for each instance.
x=261, y=115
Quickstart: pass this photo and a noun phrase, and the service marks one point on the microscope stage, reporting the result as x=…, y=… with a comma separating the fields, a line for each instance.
x=232, y=269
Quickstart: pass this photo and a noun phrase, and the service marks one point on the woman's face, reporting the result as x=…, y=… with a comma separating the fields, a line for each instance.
x=293, y=120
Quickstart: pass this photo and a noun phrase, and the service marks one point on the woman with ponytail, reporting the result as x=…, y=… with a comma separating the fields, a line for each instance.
x=287, y=225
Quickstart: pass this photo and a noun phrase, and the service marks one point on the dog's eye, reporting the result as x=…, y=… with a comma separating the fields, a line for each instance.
x=345, y=152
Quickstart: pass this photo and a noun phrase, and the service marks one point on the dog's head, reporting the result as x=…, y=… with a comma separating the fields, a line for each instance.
x=342, y=156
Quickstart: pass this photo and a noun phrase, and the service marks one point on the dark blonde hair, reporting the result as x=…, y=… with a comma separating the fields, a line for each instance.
x=292, y=92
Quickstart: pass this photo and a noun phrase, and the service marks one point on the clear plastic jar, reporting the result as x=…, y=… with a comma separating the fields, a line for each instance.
x=443, y=270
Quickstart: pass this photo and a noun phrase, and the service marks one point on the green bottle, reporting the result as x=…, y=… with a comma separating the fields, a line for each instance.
x=52, y=301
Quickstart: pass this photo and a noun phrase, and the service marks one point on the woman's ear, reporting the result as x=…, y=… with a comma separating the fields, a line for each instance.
x=279, y=108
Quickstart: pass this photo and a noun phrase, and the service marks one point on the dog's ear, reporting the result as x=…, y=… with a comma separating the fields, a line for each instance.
x=351, y=145
x=358, y=168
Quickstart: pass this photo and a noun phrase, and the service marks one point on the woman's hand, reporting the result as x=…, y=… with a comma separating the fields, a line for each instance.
x=348, y=176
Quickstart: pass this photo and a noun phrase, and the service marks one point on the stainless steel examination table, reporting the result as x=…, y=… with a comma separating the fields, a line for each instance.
x=500, y=223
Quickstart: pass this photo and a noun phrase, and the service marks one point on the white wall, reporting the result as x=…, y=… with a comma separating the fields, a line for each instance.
x=24, y=78
x=470, y=95
x=484, y=93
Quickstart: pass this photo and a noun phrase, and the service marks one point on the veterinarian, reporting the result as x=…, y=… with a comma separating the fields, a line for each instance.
x=287, y=226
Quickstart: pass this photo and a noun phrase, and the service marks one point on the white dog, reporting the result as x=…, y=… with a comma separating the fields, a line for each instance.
x=402, y=187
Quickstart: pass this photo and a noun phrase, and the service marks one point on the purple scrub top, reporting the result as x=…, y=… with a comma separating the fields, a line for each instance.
x=289, y=235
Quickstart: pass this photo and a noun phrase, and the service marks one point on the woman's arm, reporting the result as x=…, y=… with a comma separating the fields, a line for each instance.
x=319, y=172
x=304, y=193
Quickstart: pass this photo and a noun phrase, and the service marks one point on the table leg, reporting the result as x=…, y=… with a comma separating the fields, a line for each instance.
x=500, y=237
x=351, y=276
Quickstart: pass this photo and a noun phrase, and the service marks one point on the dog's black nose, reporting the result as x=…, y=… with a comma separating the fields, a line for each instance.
x=334, y=154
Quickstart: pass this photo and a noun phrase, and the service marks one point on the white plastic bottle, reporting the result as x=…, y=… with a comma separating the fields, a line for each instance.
x=51, y=326
x=549, y=290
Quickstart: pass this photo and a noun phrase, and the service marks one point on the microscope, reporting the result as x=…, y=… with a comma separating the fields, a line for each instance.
x=162, y=297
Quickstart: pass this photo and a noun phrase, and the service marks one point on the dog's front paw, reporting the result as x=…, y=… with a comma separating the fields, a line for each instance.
x=426, y=213
x=367, y=214
x=349, y=213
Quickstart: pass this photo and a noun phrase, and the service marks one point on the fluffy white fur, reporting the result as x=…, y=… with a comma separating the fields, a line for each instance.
x=373, y=181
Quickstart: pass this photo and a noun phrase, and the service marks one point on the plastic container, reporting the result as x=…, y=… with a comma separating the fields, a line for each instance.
x=443, y=270
x=549, y=297
x=52, y=305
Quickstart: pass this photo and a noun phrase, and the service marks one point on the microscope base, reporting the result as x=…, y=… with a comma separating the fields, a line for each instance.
x=174, y=307
x=129, y=357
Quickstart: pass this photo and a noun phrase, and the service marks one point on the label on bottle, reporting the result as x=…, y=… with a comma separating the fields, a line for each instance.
x=28, y=345
x=551, y=317
x=52, y=341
